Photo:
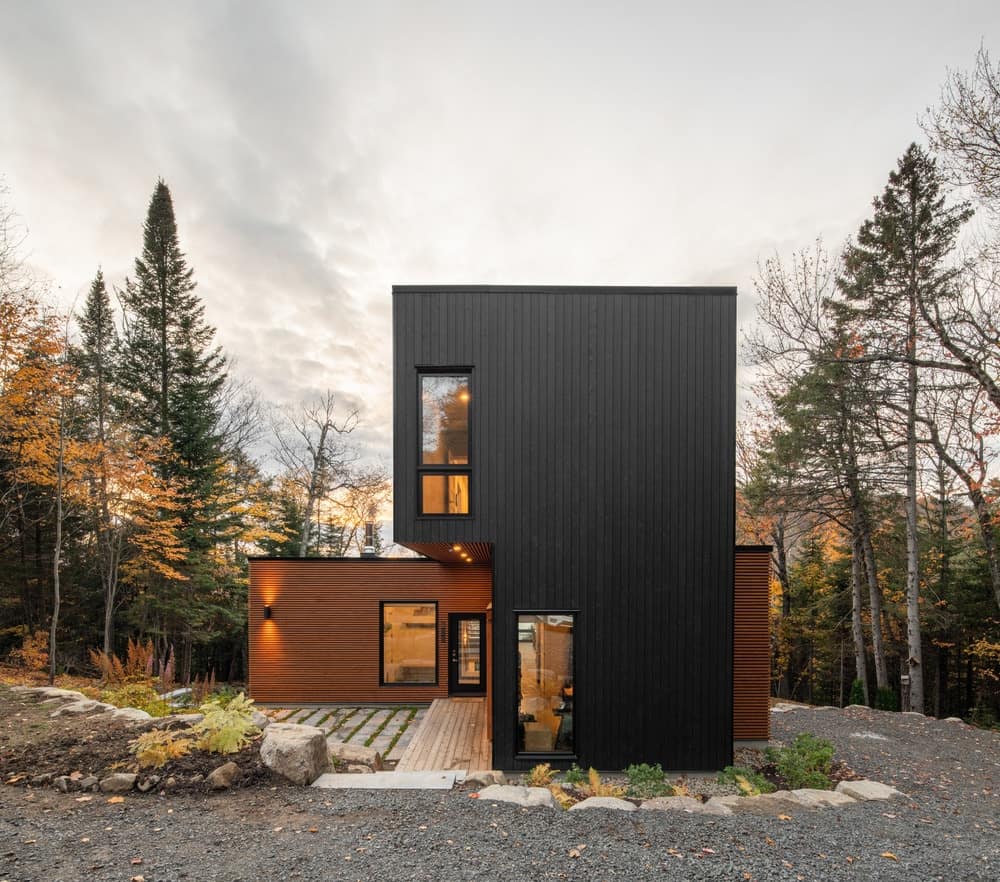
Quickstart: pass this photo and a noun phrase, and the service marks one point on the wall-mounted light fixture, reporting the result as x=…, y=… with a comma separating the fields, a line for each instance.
x=267, y=611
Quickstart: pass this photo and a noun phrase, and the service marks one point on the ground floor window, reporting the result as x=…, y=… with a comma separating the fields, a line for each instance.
x=545, y=683
x=409, y=644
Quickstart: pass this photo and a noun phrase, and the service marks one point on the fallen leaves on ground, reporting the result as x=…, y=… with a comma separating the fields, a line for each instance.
x=114, y=800
x=889, y=855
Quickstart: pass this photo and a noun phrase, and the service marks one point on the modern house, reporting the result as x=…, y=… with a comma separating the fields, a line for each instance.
x=564, y=460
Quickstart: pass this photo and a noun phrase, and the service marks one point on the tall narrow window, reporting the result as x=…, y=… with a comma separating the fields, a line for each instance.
x=444, y=443
x=409, y=643
x=545, y=686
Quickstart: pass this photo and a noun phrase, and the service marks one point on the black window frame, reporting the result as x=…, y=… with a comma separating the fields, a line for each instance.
x=556, y=756
x=442, y=468
x=381, y=643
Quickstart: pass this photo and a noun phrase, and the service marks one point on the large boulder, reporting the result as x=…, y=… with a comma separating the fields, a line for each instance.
x=83, y=706
x=822, y=798
x=130, y=715
x=525, y=796
x=355, y=753
x=295, y=752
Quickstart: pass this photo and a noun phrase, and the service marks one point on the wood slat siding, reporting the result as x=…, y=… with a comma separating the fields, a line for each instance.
x=602, y=458
x=751, y=645
x=322, y=641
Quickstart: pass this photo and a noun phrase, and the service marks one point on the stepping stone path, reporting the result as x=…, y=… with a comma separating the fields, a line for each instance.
x=386, y=729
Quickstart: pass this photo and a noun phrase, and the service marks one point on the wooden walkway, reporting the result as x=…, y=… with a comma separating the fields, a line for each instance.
x=451, y=736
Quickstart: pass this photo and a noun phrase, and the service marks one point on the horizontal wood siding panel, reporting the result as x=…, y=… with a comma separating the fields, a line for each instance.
x=751, y=647
x=322, y=642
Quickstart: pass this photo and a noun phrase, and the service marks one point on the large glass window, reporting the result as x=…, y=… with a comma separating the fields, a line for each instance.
x=444, y=443
x=545, y=683
x=409, y=644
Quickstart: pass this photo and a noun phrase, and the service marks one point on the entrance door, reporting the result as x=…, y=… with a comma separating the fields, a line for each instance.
x=466, y=653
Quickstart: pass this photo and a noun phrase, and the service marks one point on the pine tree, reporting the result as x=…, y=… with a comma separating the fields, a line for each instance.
x=174, y=374
x=896, y=270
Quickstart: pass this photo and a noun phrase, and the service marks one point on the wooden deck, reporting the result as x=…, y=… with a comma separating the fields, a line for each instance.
x=451, y=736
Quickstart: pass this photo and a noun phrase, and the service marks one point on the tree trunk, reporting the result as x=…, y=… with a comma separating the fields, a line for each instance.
x=857, y=630
x=57, y=549
x=875, y=604
x=781, y=571
x=914, y=663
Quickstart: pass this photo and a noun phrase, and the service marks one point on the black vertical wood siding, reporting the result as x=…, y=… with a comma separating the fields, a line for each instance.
x=603, y=436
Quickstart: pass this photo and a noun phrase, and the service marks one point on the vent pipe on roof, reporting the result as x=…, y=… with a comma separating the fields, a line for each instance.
x=369, y=549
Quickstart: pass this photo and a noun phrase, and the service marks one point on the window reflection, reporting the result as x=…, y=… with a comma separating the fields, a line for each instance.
x=444, y=408
x=545, y=683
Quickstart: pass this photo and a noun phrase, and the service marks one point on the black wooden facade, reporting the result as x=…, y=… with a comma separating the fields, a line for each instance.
x=602, y=437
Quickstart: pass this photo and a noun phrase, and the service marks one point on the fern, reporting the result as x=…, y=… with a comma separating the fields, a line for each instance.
x=596, y=787
x=226, y=729
x=158, y=746
x=539, y=776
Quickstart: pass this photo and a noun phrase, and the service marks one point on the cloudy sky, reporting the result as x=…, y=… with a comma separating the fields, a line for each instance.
x=319, y=153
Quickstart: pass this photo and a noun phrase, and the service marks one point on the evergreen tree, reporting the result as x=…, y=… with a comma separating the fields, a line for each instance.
x=895, y=271
x=174, y=374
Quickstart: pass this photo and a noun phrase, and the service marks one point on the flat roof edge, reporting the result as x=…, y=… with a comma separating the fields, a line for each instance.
x=701, y=290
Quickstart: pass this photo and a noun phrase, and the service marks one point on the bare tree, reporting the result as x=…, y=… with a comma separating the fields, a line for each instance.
x=312, y=447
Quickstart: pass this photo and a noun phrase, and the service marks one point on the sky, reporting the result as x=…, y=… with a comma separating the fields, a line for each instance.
x=319, y=153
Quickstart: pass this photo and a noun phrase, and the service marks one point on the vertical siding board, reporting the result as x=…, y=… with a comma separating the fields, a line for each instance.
x=604, y=483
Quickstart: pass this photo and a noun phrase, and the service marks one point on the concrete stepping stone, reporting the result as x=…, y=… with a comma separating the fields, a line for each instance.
x=443, y=780
x=605, y=802
x=313, y=718
x=341, y=720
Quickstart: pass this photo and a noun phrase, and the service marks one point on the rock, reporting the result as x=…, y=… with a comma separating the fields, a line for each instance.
x=605, y=802
x=88, y=783
x=871, y=736
x=911, y=714
x=223, y=777
x=526, y=796
x=353, y=753
x=120, y=782
x=953, y=720
x=260, y=720
x=822, y=798
x=296, y=752
x=360, y=769
x=717, y=805
x=782, y=708
x=147, y=784
x=41, y=780
x=197, y=778
x=130, y=714
x=179, y=721
x=182, y=692
x=170, y=783
x=863, y=707
x=83, y=706
x=867, y=790
x=483, y=778
x=55, y=692
x=767, y=804
x=64, y=784
x=673, y=804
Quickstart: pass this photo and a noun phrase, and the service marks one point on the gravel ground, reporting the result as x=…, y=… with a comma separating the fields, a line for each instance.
x=947, y=828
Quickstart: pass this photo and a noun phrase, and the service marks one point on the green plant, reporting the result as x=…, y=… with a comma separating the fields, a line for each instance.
x=886, y=699
x=158, y=746
x=806, y=763
x=857, y=693
x=139, y=695
x=750, y=783
x=647, y=781
x=574, y=775
x=983, y=717
x=225, y=694
x=226, y=729
x=539, y=776
x=596, y=787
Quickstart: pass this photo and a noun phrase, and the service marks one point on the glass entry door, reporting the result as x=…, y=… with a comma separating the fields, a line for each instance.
x=466, y=653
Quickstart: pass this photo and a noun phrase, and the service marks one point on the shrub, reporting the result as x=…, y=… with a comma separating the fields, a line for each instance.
x=647, y=781
x=806, y=763
x=561, y=796
x=225, y=694
x=885, y=699
x=226, y=729
x=749, y=782
x=539, y=776
x=857, y=693
x=596, y=787
x=140, y=695
x=574, y=775
x=136, y=668
x=158, y=746
x=33, y=654
x=202, y=689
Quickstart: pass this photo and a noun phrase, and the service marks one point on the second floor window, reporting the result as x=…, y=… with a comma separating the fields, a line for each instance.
x=444, y=443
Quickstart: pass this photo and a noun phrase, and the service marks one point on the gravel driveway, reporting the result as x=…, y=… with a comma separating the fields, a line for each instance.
x=947, y=829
